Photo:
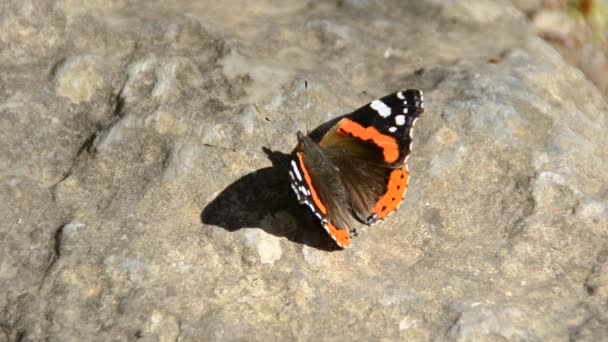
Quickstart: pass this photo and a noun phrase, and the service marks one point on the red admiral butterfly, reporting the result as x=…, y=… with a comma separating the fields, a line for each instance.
x=358, y=165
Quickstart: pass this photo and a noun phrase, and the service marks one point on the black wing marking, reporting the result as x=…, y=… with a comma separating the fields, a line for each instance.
x=393, y=115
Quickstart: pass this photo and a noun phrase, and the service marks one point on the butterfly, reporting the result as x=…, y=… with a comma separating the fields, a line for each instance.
x=358, y=167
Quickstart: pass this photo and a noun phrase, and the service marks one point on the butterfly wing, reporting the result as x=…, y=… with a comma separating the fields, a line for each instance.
x=370, y=148
x=317, y=185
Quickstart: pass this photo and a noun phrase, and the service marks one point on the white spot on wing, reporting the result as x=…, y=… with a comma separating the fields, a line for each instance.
x=400, y=95
x=380, y=107
x=393, y=129
x=295, y=170
x=400, y=120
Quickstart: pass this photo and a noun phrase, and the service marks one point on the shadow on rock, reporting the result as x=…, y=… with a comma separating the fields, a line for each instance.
x=264, y=199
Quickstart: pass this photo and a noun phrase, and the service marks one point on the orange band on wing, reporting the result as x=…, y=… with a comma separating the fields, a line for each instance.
x=395, y=190
x=390, y=148
x=342, y=236
x=313, y=192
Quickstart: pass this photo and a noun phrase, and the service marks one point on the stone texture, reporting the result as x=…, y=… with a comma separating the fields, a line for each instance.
x=144, y=194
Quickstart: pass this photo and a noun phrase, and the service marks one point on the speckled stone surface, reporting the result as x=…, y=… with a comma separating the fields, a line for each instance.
x=143, y=177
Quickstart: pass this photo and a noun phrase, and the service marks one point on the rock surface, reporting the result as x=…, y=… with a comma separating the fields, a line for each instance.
x=144, y=195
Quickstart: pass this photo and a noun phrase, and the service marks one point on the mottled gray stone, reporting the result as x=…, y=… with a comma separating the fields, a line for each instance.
x=143, y=176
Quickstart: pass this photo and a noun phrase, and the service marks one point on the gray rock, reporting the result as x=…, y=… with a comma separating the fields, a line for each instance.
x=144, y=194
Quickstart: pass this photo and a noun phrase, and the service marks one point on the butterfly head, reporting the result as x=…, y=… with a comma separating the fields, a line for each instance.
x=304, y=141
x=301, y=136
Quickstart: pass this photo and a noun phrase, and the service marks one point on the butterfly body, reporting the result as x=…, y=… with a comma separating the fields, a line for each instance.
x=358, y=167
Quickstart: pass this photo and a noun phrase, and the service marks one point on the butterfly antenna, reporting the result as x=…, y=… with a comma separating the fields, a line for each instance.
x=307, y=105
x=257, y=114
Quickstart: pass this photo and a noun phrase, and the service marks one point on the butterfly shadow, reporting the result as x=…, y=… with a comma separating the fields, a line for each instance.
x=264, y=199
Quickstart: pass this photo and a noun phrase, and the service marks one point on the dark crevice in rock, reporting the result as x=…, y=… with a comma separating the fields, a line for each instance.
x=117, y=100
x=53, y=188
x=55, y=253
x=523, y=186
x=179, y=330
x=590, y=285
x=453, y=326
x=5, y=331
x=12, y=331
x=117, y=103
x=55, y=68
x=223, y=148
x=57, y=242
x=589, y=289
x=576, y=332
x=20, y=336
x=592, y=328
x=86, y=145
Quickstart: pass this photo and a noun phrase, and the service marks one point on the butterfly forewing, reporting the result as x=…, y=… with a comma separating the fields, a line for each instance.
x=316, y=182
x=391, y=116
x=370, y=147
